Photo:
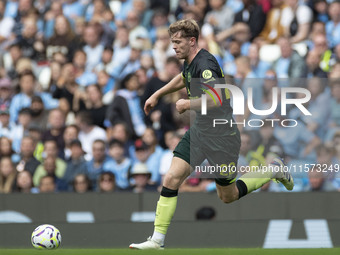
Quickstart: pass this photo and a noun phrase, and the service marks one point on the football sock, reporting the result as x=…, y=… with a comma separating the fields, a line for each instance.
x=166, y=207
x=252, y=181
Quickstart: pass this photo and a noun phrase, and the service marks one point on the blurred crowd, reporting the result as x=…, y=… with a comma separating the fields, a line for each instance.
x=74, y=76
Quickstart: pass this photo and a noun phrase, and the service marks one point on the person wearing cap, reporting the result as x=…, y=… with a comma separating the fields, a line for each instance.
x=141, y=177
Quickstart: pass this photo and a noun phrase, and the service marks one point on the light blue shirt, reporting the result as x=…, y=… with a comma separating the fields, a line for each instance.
x=21, y=100
x=120, y=171
x=282, y=67
x=293, y=139
x=333, y=33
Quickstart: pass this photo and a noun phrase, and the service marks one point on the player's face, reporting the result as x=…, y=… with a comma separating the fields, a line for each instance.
x=181, y=45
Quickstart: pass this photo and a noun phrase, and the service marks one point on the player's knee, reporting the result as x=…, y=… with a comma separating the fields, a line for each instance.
x=171, y=181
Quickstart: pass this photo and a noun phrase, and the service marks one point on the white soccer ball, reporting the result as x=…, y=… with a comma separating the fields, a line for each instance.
x=46, y=237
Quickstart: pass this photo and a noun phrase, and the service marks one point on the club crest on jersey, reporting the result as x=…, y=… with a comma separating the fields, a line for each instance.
x=207, y=74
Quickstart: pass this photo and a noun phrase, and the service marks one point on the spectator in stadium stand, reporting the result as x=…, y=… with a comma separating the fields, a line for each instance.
x=47, y=184
x=56, y=123
x=6, y=93
x=5, y=125
x=248, y=79
x=18, y=131
x=126, y=106
x=73, y=9
x=7, y=175
x=134, y=61
x=105, y=60
x=143, y=155
x=244, y=149
x=27, y=161
x=66, y=87
x=275, y=26
x=75, y=165
x=82, y=184
x=55, y=9
x=141, y=178
x=95, y=166
x=161, y=117
x=23, y=99
x=54, y=165
x=171, y=139
x=298, y=144
x=23, y=9
x=244, y=22
x=83, y=77
x=107, y=85
x=290, y=64
x=95, y=10
x=318, y=182
x=120, y=131
x=297, y=18
x=320, y=45
x=88, y=132
x=162, y=48
x=334, y=111
x=333, y=26
x=71, y=133
x=219, y=18
x=63, y=39
x=13, y=55
x=258, y=66
x=24, y=182
x=95, y=106
x=159, y=20
x=92, y=48
x=320, y=8
x=30, y=42
x=151, y=139
x=136, y=30
x=232, y=52
x=318, y=106
x=6, y=26
x=326, y=157
x=119, y=164
x=6, y=149
x=39, y=113
x=107, y=183
x=313, y=65
x=142, y=7
x=121, y=52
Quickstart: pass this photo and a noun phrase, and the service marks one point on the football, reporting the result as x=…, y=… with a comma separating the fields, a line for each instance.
x=46, y=237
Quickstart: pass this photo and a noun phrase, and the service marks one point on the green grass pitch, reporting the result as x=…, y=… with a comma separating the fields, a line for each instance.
x=226, y=251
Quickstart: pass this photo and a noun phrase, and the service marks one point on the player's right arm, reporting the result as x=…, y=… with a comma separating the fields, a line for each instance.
x=175, y=84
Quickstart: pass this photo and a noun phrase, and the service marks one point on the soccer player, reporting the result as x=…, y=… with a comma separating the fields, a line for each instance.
x=219, y=145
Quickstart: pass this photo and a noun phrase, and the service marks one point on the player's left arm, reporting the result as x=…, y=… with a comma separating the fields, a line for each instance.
x=209, y=77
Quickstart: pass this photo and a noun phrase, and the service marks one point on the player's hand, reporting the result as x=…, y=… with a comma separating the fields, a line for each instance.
x=182, y=105
x=150, y=104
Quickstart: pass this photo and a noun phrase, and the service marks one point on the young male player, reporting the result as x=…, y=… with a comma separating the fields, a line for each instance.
x=219, y=145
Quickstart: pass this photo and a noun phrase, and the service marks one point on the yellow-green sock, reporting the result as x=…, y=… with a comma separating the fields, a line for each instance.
x=166, y=207
x=252, y=181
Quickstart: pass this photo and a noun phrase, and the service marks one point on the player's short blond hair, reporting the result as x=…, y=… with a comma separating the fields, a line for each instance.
x=187, y=27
